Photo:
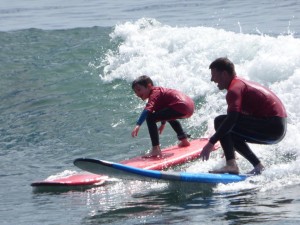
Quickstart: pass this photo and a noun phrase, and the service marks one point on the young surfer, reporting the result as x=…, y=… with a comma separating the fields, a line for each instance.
x=164, y=105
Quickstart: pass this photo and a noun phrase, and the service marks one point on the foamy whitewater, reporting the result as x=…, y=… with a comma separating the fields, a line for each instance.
x=179, y=58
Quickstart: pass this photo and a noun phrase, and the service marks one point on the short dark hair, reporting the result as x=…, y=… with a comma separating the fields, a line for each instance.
x=222, y=64
x=142, y=80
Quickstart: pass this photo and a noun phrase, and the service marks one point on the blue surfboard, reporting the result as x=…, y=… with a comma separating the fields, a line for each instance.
x=122, y=171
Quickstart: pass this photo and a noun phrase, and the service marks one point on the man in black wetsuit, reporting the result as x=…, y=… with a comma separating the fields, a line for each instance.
x=254, y=115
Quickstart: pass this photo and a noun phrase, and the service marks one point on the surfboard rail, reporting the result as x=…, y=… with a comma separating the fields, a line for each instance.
x=122, y=171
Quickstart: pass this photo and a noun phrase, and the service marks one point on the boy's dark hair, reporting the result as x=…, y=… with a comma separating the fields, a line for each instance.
x=222, y=64
x=142, y=80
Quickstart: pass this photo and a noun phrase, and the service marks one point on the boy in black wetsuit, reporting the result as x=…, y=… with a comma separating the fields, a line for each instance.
x=164, y=105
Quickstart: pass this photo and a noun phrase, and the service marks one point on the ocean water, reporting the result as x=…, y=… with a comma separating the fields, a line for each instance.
x=66, y=72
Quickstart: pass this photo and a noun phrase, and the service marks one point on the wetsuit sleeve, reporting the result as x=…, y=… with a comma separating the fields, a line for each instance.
x=143, y=117
x=225, y=127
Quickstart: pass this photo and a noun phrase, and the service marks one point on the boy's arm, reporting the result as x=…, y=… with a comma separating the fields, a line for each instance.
x=143, y=117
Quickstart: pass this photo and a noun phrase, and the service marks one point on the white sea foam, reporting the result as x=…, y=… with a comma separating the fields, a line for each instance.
x=63, y=174
x=179, y=57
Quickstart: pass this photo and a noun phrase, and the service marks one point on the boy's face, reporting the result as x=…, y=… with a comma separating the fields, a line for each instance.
x=142, y=92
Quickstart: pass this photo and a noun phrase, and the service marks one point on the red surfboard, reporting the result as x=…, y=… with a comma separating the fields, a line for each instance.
x=73, y=180
x=172, y=156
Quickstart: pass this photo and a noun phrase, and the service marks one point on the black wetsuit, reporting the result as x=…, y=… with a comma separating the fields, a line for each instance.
x=163, y=105
x=254, y=115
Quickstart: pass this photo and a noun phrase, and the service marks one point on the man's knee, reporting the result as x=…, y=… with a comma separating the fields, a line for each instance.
x=218, y=121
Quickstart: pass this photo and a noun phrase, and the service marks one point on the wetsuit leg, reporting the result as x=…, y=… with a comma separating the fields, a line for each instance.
x=152, y=128
x=260, y=130
x=243, y=148
x=175, y=124
x=252, y=130
x=167, y=114
x=231, y=142
x=227, y=145
x=226, y=141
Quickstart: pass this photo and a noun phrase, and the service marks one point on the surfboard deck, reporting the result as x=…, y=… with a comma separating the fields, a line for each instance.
x=122, y=171
x=172, y=156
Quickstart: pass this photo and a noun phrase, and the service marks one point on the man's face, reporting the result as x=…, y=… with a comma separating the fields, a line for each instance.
x=221, y=78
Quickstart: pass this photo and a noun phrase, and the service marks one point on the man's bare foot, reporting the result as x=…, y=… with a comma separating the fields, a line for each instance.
x=226, y=169
x=257, y=169
x=184, y=143
x=231, y=167
x=155, y=152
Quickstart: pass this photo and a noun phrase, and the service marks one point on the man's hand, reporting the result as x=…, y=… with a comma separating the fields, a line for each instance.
x=206, y=151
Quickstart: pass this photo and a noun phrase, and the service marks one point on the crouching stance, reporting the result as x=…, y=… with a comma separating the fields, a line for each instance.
x=254, y=115
x=164, y=105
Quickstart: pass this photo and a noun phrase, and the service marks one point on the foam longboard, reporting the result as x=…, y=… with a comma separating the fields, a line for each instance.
x=73, y=180
x=132, y=173
x=172, y=156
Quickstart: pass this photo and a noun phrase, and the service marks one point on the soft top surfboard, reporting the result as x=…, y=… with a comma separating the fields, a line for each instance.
x=132, y=173
x=73, y=180
x=172, y=156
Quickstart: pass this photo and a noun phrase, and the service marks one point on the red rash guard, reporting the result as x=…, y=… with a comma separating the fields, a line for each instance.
x=161, y=98
x=252, y=99
x=249, y=99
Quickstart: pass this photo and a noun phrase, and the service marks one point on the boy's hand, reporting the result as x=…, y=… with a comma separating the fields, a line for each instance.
x=135, y=131
x=161, y=128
